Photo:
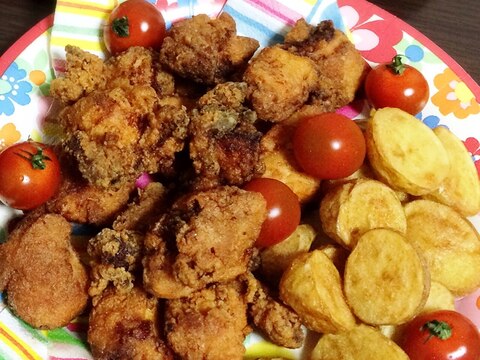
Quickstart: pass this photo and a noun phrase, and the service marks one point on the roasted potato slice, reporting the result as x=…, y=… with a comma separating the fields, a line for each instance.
x=276, y=258
x=439, y=298
x=385, y=281
x=351, y=209
x=337, y=254
x=312, y=287
x=361, y=343
x=405, y=153
x=280, y=163
x=449, y=243
x=461, y=188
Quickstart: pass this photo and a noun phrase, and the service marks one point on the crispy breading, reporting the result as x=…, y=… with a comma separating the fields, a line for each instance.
x=205, y=50
x=158, y=274
x=341, y=68
x=144, y=210
x=42, y=274
x=84, y=73
x=208, y=237
x=116, y=257
x=279, y=83
x=114, y=135
x=209, y=324
x=83, y=203
x=277, y=321
x=224, y=145
x=124, y=326
x=134, y=65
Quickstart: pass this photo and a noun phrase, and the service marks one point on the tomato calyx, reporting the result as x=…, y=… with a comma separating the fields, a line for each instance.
x=397, y=66
x=36, y=159
x=439, y=329
x=121, y=27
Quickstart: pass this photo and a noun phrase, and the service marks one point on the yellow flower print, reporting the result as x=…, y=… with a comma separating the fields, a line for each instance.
x=8, y=135
x=454, y=96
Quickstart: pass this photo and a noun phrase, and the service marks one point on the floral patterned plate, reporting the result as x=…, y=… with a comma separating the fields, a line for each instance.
x=25, y=75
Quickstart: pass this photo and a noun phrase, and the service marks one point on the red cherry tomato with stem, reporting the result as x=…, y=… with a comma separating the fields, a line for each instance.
x=283, y=210
x=29, y=176
x=397, y=85
x=440, y=335
x=329, y=146
x=134, y=23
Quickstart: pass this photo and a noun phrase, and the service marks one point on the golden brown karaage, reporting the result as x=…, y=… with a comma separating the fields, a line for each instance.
x=207, y=51
x=125, y=326
x=209, y=324
x=45, y=281
x=224, y=143
x=206, y=237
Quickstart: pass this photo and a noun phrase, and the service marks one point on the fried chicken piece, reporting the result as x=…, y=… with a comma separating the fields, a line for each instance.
x=281, y=164
x=209, y=324
x=114, y=135
x=80, y=202
x=158, y=268
x=277, y=321
x=205, y=50
x=224, y=145
x=163, y=137
x=144, y=211
x=84, y=73
x=341, y=69
x=206, y=237
x=279, y=83
x=116, y=256
x=135, y=65
x=45, y=281
x=123, y=326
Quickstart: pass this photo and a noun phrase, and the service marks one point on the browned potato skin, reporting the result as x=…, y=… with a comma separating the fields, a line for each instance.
x=449, y=243
x=392, y=291
x=461, y=188
x=404, y=153
x=275, y=259
x=351, y=209
x=361, y=343
x=313, y=288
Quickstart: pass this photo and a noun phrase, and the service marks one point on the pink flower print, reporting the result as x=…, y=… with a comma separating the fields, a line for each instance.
x=374, y=37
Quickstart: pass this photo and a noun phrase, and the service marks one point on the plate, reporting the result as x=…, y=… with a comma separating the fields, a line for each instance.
x=26, y=73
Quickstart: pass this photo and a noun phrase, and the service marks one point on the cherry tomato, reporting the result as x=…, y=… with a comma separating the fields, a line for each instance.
x=397, y=85
x=439, y=335
x=329, y=146
x=283, y=210
x=29, y=176
x=134, y=23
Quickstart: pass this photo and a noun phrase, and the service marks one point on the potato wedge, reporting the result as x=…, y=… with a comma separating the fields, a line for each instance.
x=275, y=259
x=312, y=287
x=449, y=243
x=337, y=254
x=386, y=281
x=405, y=153
x=280, y=163
x=361, y=343
x=461, y=188
x=351, y=209
x=439, y=298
